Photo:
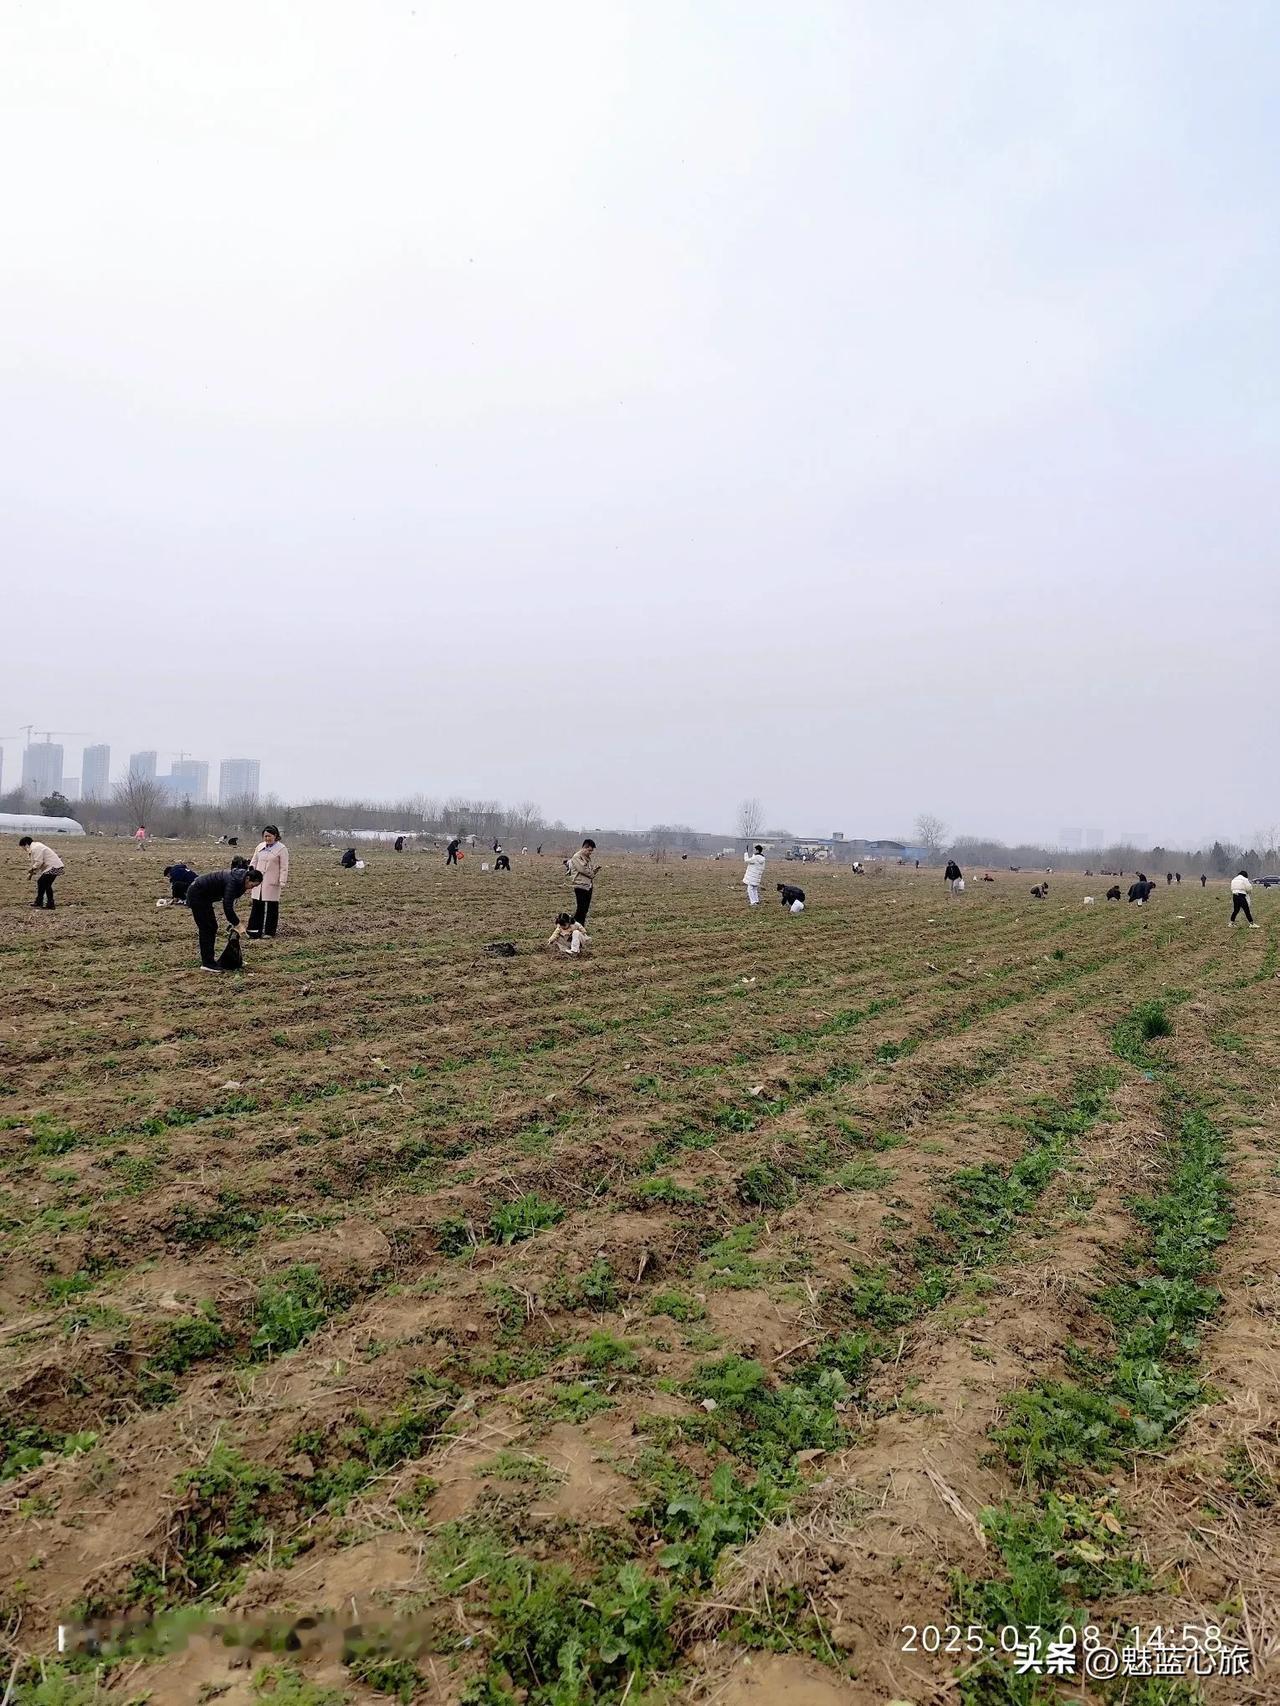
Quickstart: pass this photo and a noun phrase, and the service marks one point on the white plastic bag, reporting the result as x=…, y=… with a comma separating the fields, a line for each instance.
x=797, y=906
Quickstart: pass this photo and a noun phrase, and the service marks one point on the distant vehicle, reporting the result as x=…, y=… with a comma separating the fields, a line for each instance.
x=1269, y=882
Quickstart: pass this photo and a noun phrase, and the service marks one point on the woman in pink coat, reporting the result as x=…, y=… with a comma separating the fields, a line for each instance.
x=271, y=857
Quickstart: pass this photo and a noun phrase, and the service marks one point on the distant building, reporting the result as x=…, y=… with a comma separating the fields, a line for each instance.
x=142, y=766
x=238, y=779
x=42, y=769
x=71, y=787
x=187, y=780
x=95, y=773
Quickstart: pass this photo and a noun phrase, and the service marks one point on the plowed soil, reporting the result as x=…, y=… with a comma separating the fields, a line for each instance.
x=640, y=1328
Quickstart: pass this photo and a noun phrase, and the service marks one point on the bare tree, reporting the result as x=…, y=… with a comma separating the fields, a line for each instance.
x=750, y=819
x=139, y=799
x=933, y=834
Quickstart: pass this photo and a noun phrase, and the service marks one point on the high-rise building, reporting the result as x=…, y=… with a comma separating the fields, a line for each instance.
x=42, y=768
x=95, y=773
x=187, y=780
x=71, y=788
x=238, y=779
x=143, y=766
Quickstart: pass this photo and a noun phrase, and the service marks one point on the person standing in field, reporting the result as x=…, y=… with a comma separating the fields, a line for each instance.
x=205, y=893
x=451, y=851
x=583, y=871
x=753, y=874
x=140, y=837
x=1203, y=879
x=953, y=876
x=271, y=857
x=46, y=867
x=1241, y=889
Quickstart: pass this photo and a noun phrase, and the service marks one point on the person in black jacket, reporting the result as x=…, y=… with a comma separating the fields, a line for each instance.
x=953, y=875
x=451, y=851
x=205, y=893
x=181, y=876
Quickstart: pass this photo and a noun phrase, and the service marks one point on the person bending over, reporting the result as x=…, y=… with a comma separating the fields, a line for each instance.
x=790, y=893
x=46, y=867
x=181, y=876
x=206, y=893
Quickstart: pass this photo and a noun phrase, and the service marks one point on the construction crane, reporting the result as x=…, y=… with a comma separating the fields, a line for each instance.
x=73, y=734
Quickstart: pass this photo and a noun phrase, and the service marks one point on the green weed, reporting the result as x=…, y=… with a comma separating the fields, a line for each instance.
x=520, y=1219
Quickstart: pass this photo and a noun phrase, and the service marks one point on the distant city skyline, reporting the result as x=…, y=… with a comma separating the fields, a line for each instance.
x=44, y=770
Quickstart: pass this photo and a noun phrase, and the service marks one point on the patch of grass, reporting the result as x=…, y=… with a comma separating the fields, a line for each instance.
x=454, y=1236
x=522, y=1218
x=229, y=1223
x=1146, y=1022
x=766, y=1185
x=602, y=1351
x=63, y=1287
x=765, y=1424
x=284, y=1685
x=190, y=1339
x=23, y=1445
x=49, y=1137
x=663, y=1189
x=577, y=1401
x=862, y=1175
x=727, y=1263
x=677, y=1305
x=1061, y=1557
x=290, y=1308
x=222, y=1521
x=519, y=1466
x=349, y=1458
x=595, y=1289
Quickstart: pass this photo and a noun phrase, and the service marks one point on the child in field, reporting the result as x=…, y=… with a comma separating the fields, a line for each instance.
x=569, y=936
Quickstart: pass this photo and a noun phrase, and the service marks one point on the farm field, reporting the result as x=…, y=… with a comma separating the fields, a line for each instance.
x=692, y=1323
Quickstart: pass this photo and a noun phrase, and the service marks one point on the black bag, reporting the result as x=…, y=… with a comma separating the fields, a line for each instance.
x=232, y=956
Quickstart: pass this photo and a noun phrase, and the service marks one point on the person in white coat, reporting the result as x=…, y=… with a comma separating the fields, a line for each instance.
x=753, y=875
x=1241, y=889
x=271, y=857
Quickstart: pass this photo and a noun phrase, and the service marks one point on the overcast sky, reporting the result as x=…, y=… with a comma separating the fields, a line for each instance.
x=632, y=407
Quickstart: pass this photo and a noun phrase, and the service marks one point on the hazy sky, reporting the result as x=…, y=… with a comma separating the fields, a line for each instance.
x=869, y=407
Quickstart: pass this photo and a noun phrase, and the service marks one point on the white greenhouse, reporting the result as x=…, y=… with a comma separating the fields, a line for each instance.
x=31, y=823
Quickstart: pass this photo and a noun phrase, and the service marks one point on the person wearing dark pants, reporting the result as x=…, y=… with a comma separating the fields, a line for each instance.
x=582, y=873
x=181, y=877
x=1241, y=889
x=271, y=857
x=205, y=894
x=46, y=868
x=451, y=852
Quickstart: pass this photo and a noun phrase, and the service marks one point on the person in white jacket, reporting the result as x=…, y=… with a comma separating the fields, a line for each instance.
x=753, y=875
x=45, y=867
x=1241, y=889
